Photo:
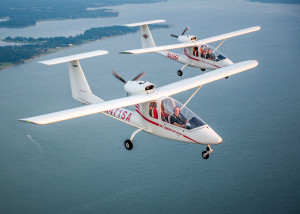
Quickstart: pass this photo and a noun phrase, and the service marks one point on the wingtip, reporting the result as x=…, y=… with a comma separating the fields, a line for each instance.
x=125, y=52
x=257, y=27
x=24, y=120
x=28, y=121
x=254, y=63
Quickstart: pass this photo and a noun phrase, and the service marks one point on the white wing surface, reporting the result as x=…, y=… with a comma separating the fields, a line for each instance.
x=145, y=23
x=191, y=44
x=166, y=90
x=74, y=57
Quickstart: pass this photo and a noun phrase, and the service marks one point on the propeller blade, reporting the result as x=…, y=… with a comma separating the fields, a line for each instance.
x=185, y=30
x=139, y=76
x=118, y=77
x=173, y=35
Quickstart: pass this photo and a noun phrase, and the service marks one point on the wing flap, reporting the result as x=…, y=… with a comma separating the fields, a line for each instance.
x=166, y=90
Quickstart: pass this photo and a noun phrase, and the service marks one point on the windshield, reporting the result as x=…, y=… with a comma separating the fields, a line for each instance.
x=175, y=113
x=208, y=52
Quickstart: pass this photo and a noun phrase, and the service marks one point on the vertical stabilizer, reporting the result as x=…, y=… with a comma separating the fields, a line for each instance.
x=146, y=36
x=79, y=86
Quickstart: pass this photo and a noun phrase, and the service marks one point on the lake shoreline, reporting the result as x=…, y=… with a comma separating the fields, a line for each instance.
x=33, y=48
x=49, y=52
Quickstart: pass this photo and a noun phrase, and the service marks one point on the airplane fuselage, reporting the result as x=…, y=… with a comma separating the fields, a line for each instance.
x=188, y=57
x=140, y=118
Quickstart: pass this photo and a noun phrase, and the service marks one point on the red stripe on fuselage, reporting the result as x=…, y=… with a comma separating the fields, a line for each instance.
x=199, y=60
x=138, y=107
x=150, y=121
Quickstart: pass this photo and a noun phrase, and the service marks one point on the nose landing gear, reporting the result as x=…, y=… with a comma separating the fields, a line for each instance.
x=205, y=154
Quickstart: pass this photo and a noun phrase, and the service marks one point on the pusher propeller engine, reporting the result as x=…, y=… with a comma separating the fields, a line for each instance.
x=134, y=87
x=184, y=38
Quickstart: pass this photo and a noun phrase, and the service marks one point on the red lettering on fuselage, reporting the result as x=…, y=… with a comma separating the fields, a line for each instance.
x=124, y=115
x=128, y=117
x=116, y=111
x=120, y=114
x=173, y=56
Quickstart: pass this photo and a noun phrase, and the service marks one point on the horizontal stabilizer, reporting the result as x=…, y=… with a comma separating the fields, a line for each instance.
x=191, y=44
x=74, y=57
x=166, y=90
x=145, y=23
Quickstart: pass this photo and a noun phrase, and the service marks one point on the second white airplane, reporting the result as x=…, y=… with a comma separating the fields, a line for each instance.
x=196, y=53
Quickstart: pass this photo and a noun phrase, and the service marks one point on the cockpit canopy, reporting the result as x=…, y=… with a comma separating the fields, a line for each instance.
x=208, y=52
x=190, y=118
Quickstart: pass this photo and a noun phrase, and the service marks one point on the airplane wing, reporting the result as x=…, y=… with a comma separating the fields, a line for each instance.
x=191, y=44
x=74, y=57
x=166, y=90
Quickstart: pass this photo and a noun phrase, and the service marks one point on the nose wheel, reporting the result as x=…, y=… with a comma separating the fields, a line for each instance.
x=205, y=154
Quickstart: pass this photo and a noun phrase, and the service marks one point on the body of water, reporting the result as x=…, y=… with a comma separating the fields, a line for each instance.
x=81, y=165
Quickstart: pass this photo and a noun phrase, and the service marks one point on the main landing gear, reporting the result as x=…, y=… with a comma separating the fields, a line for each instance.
x=128, y=143
x=205, y=154
x=179, y=72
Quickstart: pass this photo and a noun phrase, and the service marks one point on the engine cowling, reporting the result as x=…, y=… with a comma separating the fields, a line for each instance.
x=187, y=38
x=138, y=87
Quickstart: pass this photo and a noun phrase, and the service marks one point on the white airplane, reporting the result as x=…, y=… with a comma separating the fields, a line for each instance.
x=196, y=53
x=154, y=109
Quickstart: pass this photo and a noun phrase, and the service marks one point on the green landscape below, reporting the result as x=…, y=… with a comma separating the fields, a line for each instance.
x=28, y=48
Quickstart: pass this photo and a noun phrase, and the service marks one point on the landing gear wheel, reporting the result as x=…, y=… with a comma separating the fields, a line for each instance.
x=226, y=77
x=202, y=69
x=128, y=144
x=205, y=155
x=179, y=73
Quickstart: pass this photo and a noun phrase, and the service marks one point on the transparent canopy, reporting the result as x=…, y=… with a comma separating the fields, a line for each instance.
x=209, y=52
x=188, y=117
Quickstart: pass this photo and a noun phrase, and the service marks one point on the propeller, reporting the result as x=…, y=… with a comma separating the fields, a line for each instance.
x=185, y=30
x=118, y=77
x=139, y=76
x=134, y=79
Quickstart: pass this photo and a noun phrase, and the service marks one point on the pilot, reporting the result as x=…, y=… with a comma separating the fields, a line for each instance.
x=202, y=52
x=210, y=55
x=176, y=119
x=153, y=110
x=195, y=51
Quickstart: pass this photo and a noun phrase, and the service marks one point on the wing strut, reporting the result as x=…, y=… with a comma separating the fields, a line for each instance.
x=191, y=97
x=219, y=45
